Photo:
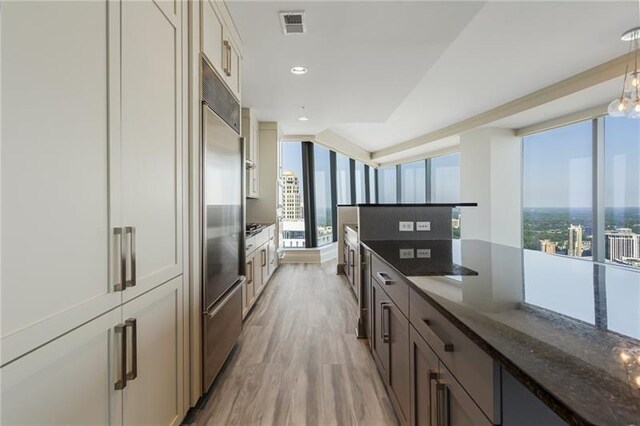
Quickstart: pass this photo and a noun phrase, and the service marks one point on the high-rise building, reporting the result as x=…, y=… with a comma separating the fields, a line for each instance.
x=622, y=244
x=291, y=206
x=547, y=246
x=575, y=240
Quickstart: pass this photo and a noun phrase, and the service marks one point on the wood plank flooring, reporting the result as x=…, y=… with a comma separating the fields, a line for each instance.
x=298, y=361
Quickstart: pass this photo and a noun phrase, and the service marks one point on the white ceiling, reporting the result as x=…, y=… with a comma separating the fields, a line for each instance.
x=384, y=72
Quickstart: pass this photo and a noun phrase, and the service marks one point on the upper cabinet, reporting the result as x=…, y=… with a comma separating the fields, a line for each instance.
x=220, y=44
x=250, y=134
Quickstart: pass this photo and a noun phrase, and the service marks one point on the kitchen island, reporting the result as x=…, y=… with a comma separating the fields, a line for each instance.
x=497, y=335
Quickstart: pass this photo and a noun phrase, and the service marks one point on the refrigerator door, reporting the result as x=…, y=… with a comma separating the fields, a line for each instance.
x=223, y=208
x=221, y=328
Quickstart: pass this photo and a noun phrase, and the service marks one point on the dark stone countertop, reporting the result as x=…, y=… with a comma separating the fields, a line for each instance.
x=410, y=205
x=562, y=326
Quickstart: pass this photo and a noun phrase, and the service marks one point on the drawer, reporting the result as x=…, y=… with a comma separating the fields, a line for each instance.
x=250, y=245
x=392, y=283
x=262, y=237
x=476, y=371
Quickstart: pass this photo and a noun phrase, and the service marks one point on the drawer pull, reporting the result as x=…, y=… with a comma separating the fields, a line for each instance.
x=386, y=280
x=442, y=397
x=386, y=332
x=433, y=405
x=446, y=346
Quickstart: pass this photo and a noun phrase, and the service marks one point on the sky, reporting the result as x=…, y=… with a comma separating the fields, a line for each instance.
x=557, y=165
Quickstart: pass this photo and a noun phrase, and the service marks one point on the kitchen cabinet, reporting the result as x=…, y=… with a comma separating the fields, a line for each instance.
x=150, y=184
x=424, y=371
x=105, y=228
x=219, y=46
x=433, y=373
x=153, y=391
x=252, y=147
x=391, y=350
x=261, y=262
x=124, y=367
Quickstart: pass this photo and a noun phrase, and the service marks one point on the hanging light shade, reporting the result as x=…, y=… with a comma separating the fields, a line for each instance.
x=628, y=103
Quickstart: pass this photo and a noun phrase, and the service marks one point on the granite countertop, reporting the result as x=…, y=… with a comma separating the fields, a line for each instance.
x=567, y=328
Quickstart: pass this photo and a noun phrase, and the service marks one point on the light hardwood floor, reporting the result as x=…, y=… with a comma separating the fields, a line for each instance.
x=298, y=361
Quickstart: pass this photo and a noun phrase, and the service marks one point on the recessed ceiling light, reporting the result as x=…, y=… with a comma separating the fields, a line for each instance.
x=303, y=118
x=298, y=70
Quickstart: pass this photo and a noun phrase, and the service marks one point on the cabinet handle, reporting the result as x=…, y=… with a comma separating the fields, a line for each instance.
x=446, y=346
x=120, y=286
x=121, y=383
x=264, y=257
x=225, y=60
x=433, y=406
x=131, y=230
x=386, y=331
x=250, y=280
x=227, y=68
x=131, y=322
x=386, y=280
x=353, y=258
x=442, y=396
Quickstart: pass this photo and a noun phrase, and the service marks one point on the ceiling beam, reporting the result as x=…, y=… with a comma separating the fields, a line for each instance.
x=591, y=77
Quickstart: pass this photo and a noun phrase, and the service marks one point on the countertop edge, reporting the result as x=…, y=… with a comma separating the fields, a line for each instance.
x=552, y=401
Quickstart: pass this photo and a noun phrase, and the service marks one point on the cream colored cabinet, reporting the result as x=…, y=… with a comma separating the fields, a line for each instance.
x=71, y=380
x=257, y=271
x=211, y=33
x=92, y=211
x=153, y=391
x=219, y=44
x=150, y=187
x=250, y=133
x=232, y=62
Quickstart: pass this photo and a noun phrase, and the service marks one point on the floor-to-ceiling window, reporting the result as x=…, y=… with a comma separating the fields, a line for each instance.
x=387, y=185
x=292, y=196
x=445, y=178
x=361, y=189
x=343, y=179
x=413, y=182
x=373, y=196
x=323, y=199
x=557, y=190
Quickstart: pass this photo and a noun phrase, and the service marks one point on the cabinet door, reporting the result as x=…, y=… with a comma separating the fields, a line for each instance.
x=151, y=188
x=273, y=256
x=399, y=371
x=380, y=305
x=456, y=407
x=56, y=229
x=264, y=270
x=211, y=34
x=153, y=394
x=257, y=272
x=68, y=381
x=232, y=66
x=255, y=146
x=250, y=293
x=424, y=376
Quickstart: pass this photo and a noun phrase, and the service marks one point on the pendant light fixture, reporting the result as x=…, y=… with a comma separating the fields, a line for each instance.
x=628, y=103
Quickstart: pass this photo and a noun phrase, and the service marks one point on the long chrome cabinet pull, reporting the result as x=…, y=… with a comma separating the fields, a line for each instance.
x=120, y=286
x=446, y=346
x=227, y=68
x=250, y=280
x=264, y=257
x=131, y=322
x=121, y=383
x=386, y=332
x=131, y=230
x=442, y=394
x=433, y=405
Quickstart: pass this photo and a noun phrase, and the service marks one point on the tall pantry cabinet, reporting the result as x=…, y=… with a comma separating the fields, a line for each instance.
x=92, y=212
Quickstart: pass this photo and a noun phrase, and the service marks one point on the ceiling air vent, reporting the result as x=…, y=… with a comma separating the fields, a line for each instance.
x=292, y=22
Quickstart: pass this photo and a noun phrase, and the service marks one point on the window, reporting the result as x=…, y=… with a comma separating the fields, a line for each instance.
x=557, y=190
x=372, y=185
x=361, y=195
x=293, y=228
x=445, y=179
x=343, y=179
x=414, y=181
x=387, y=185
x=622, y=190
x=322, y=181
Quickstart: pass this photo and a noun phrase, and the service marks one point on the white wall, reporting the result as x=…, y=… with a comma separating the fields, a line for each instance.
x=490, y=174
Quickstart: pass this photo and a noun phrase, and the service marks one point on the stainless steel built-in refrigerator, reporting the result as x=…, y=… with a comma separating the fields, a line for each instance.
x=222, y=200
